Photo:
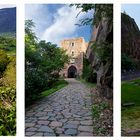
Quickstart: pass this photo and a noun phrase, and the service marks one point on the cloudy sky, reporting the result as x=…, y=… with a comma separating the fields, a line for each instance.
x=55, y=22
x=133, y=10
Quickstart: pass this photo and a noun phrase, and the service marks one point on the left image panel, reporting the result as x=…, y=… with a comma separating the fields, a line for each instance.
x=7, y=70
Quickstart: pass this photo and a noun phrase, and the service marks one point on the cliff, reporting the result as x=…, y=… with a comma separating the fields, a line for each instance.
x=100, y=50
x=130, y=37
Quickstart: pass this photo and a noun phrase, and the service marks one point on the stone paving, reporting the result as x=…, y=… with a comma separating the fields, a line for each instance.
x=66, y=112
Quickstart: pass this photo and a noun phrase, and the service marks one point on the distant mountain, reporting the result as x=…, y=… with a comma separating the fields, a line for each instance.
x=7, y=21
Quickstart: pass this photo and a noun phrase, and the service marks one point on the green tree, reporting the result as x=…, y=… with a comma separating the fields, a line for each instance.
x=53, y=57
x=100, y=11
x=3, y=61
x=43, y=60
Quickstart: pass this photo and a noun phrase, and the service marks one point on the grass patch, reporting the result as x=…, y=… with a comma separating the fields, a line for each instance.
x=86, y=83
x=11, y=53
x=55, y=87
x=130, y=93
x=131, y=118
x=58, y=85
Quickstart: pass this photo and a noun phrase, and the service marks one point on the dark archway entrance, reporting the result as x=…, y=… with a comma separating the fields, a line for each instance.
x=72, y=71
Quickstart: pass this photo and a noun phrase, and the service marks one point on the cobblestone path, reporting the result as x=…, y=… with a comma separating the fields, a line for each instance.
x=67, y=112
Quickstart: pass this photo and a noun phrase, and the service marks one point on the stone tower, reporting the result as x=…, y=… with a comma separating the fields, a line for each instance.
x=75, y=48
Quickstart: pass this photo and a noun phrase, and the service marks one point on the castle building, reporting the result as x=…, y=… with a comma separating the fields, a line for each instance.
x=75, y=48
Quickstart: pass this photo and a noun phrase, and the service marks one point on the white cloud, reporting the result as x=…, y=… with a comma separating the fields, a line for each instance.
x=37, y=13
x=7, y=6
x=54, y=26
x=63, y=25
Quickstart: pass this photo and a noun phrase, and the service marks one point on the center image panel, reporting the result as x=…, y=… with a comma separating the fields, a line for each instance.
x=68, y=70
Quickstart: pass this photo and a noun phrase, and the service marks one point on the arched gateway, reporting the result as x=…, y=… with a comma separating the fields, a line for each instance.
x=72, y=72
x=75, y=48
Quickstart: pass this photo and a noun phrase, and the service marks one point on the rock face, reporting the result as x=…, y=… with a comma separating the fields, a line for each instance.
x=100, y=56
x=130, y=37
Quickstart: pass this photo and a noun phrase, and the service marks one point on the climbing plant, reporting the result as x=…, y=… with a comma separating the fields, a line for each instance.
x=88, y=74
x=103, y=51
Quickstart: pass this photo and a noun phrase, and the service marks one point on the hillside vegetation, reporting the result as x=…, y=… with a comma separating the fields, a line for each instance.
x=7, y=86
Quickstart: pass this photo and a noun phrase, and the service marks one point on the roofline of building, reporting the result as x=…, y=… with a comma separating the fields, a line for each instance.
x=73, y=39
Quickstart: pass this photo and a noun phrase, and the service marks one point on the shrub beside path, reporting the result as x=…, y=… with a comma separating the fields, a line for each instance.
x=66, y=112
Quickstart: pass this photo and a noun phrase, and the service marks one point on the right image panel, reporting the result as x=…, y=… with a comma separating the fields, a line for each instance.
x=130, y=70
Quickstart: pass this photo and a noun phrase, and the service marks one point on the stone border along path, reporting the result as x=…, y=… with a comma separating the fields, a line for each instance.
x=66, y=112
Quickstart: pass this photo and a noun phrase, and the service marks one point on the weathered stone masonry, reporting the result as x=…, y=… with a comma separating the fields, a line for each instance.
x=75, y=48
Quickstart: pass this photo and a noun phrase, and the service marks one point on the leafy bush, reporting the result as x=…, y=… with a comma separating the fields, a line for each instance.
x=127, y=63
x=36, y=81
x=97, y=108
x=3, y=61
x=7, y=111
x=8, y=44
x=7, y=86
x=88, y=73
x=43, y=61
x=9, y=76
x=56, y=86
